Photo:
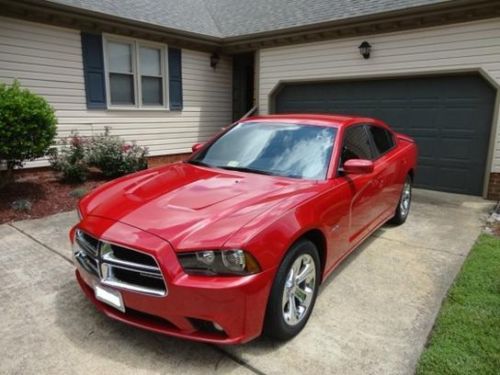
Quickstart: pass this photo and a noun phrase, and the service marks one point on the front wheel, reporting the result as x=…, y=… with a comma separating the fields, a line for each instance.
x=294, y=292
x=403, y=208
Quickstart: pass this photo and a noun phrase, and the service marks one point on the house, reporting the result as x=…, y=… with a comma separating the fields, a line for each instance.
x=171, y=73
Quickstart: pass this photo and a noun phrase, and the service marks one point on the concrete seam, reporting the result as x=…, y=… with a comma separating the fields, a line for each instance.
x=422, y=247
x=238, y=360
x=67, y=259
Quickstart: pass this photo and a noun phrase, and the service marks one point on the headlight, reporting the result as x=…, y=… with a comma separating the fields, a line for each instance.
x=219, y=262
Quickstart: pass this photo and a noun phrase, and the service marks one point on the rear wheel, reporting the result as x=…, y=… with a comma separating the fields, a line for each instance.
x=294, y=292
x=404, y=204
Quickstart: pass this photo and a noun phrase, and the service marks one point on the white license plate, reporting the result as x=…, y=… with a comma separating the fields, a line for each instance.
x=109, y=296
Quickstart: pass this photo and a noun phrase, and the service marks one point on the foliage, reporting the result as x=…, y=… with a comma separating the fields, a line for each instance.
x=114, y=157
x=27, y=128
x=69, y=158
x=466, y=336
x=21, y=205
x=110, y=154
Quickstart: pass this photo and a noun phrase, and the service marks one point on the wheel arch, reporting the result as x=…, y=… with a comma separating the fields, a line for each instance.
x=411, y=173
x=317, y=237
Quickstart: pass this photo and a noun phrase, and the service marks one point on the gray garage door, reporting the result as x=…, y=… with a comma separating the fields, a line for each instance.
x=450, y=118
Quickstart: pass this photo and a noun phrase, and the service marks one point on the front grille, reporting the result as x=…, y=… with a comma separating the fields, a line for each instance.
x=118, y=266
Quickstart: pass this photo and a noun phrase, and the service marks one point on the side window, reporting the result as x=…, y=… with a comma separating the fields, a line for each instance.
x=356, y=144
x=382, y=139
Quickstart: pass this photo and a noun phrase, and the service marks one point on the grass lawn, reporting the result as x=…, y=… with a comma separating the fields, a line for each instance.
x=466, y=336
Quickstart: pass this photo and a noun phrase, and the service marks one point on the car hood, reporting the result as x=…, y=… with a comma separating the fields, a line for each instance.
x=191, y=207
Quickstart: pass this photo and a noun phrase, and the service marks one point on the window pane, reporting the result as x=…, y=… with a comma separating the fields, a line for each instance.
x=382, y=139
x=121, y=89
x=150, y=61
x=356, y=144
x=152, y=91
x=120, y=57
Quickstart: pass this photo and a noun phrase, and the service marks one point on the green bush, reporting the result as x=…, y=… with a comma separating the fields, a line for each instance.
x=114, y=157
x=27, y=128
x=69, y=158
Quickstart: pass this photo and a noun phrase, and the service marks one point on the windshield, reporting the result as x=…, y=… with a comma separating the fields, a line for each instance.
x=281, y=149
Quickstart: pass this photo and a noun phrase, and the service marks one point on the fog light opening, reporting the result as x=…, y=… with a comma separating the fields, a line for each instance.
x=218, y=327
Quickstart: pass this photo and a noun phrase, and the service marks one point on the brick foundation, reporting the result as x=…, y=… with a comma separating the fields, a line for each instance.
x=156, y=161
x=494, y=187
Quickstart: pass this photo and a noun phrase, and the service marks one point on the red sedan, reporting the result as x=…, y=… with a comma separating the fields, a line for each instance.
x=235, y=241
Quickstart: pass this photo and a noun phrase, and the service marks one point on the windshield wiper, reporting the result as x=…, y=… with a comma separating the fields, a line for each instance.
x=245, y=169
x=201, y=163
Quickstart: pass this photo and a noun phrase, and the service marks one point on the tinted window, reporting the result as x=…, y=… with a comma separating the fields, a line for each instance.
x=281, y=149
x=382, y=138
x=356, y=144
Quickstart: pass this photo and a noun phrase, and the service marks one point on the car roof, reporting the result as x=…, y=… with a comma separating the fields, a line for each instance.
x=313, y=119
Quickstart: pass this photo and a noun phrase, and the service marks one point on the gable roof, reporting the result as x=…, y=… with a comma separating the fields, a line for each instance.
x=235, y=18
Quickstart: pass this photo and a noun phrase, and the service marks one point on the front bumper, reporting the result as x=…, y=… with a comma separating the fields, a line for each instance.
x=192, y=304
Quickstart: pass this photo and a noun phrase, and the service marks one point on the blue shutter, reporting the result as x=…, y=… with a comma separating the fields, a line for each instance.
x=175, y=78
x=93, y=69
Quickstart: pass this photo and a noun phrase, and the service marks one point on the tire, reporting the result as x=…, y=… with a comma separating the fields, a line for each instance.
x=291, y=302
x=404, y=203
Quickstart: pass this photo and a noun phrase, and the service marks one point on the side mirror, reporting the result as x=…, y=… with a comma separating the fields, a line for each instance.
x=358, y=166
x=196, y=147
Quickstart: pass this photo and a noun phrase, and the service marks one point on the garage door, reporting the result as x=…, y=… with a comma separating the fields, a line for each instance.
x=450, y=118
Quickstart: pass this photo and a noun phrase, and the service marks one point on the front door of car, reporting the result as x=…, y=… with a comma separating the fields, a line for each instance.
x=365, y=190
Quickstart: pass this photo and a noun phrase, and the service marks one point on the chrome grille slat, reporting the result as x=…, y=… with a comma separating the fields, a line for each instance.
x=110, y=258
x=85, y=245
x=132, y=269
x=125, y=271
x=89, y=265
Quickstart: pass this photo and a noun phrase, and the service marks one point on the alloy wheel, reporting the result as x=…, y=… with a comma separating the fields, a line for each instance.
x=299, y=289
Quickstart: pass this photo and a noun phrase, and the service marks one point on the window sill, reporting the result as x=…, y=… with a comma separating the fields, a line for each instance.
x=140, y=109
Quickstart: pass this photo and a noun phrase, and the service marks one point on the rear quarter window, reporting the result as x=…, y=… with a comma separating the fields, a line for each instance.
x=382, y=139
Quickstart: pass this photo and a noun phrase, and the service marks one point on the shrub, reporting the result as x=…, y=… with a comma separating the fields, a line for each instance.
x=114, y=157
x=69, y=158
x=111, y=155
x=27, y=128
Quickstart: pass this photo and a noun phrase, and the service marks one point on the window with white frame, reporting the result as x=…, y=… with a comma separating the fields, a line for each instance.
x=135, y=74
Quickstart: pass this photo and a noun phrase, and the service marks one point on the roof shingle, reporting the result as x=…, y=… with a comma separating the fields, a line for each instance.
x=233, y=18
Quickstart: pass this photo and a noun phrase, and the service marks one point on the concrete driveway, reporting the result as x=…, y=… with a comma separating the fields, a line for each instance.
x=372, y=316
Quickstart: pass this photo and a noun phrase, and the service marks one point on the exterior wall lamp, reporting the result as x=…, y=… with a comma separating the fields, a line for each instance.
x=364, y=49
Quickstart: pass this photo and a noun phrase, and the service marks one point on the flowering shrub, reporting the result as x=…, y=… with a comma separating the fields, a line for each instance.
x=114, y=157
x=110, y=154
x=69, y=158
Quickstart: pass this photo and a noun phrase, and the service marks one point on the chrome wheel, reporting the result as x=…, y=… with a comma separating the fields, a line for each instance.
x=404, y=204
x=299, y=289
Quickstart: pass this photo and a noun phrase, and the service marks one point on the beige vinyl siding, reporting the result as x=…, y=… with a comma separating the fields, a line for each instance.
x=48, y=61
x=451, y=48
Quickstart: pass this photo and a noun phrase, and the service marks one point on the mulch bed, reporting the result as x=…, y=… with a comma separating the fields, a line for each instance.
x=46, y=194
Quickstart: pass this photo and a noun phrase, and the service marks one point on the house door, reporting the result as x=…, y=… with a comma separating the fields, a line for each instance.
x=243, y=84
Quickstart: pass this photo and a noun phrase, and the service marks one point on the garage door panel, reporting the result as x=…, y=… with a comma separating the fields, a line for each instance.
x=449, y=117
x=455, y=149
x=427, y=147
